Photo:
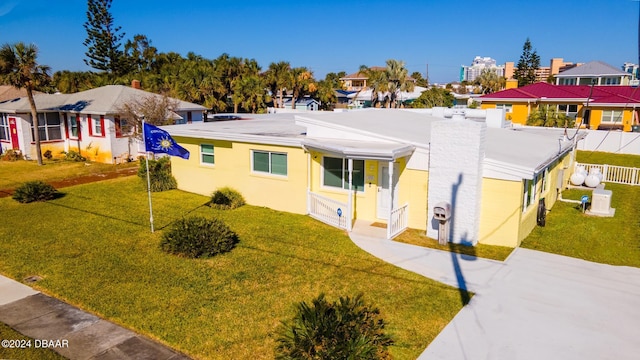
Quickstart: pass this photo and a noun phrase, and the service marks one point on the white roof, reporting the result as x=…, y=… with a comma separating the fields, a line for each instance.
x=511, y=153
x=101, y=101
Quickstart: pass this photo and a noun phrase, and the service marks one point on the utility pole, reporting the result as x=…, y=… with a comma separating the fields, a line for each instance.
x=427, y=74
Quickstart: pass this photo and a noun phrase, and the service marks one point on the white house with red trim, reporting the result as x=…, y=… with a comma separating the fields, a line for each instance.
x=88, y=122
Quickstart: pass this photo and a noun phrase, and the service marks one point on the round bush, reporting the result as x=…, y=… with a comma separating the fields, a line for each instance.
x=34, y=191
x=226, y=198
x=160, y=176
x=197, y=237
x=344, y=329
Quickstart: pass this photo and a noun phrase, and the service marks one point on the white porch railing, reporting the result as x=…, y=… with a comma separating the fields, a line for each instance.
x=615, y=174
x=329, y=211
x=398, y=222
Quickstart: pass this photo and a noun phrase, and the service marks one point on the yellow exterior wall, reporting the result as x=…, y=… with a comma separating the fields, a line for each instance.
x=233, y=168
x=596, y=118
x=413, y=189
x=519, y=112
x=500, y=212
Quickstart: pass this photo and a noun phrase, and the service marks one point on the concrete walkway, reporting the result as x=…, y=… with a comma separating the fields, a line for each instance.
x=535, y=305
x=76, y=334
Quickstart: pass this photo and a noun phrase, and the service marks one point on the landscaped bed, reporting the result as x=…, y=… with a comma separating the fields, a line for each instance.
x=93, y=248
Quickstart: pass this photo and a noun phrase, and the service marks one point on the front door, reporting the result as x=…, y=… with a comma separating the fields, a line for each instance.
x=384, y=190
x=13, y=129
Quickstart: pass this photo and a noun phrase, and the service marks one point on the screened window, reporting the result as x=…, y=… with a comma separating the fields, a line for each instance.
x=610, y=81
x=270, y=162
x=336, y=173
x=612, y=116
x=570, y=110
x=4, y=127
x=49, y=127
x=206, y=154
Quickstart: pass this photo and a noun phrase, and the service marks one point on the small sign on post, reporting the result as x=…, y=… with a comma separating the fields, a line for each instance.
x=584, y=200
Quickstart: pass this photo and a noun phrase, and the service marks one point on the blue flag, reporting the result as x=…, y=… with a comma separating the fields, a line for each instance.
x=157, y=140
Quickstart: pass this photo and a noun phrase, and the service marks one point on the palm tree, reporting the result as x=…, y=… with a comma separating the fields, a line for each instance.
x=397, y=76
x=279, y=79
x=249, y=92
x=490, y=81
x=19, y=67
x=302, y=84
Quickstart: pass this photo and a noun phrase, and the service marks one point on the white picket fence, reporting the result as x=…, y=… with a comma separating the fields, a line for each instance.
x=615, y=174
x=329, y=211
x=399, y=221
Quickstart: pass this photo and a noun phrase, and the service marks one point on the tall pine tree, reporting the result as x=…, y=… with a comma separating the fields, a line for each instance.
x=103, y=39
x=529, y=62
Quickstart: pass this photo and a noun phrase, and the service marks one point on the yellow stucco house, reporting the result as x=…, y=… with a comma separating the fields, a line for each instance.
x=593, y=107
x=386, y=166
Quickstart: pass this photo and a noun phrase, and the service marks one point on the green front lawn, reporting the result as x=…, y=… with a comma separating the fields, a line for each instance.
x=14, y=173
x=569, y=232
x=93, y=249
x=599, y=157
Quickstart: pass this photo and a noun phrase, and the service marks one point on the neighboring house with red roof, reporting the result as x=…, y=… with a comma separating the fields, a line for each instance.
x=594, y=72
x=593, y=107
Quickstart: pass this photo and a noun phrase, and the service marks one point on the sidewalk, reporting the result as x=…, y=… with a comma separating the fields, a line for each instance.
x=534, y=306
x=76, y=334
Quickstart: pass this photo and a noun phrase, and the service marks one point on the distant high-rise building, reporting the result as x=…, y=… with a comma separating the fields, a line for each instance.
x=470, y=73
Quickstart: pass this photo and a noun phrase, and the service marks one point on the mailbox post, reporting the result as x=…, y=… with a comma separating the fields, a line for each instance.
x=442, y=213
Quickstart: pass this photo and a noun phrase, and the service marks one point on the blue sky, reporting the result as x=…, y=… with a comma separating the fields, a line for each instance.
x=331, y=36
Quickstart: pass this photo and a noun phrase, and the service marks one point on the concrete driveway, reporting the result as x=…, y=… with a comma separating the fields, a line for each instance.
x=535, y=305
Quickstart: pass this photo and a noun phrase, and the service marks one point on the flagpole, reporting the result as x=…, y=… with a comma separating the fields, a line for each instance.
x=148, y=177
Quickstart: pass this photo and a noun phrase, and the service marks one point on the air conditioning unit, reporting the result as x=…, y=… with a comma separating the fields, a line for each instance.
x=601, y=203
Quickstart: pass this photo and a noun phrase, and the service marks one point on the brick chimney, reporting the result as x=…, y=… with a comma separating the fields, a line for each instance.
x=135, y=84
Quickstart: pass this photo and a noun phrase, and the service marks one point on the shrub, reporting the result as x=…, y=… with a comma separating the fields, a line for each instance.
x=197, y=237
x=34, y=191
x=226, y=198
x=160, y=174
x=11, y=155
x=346, y=329
x=73, y=155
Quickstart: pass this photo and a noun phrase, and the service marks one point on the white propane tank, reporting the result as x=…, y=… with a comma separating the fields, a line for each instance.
x=577, y=178
x=594, y=178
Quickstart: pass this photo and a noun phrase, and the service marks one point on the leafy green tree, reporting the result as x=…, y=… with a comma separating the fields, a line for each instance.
x=140, y=53
x=68, y=82
x=434, y=97
x=529, y=62
x=344, y=329
x=548, y=116
x=19, y=68
x=103, y=39
x=490, y=81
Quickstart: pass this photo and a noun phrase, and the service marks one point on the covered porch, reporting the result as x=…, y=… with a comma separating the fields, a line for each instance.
x=350, y=179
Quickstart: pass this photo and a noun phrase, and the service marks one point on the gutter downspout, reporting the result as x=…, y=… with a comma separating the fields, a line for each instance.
x=350, y=219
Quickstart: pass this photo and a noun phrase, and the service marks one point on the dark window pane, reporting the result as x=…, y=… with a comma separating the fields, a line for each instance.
x=279, y=164
x=260, y=161
x=333, y=172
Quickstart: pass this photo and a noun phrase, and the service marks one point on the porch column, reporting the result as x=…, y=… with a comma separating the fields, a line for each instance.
x=391, y=188
x=350, y=170
x=308, y=182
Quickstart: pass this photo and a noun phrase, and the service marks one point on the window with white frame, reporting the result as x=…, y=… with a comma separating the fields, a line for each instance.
x=97, y=125
x=269, y=162
x=74, y=126
x=611, y=116
x=507, y=107
x=529, y=193
x=4, y=127
x=544, y=186
x=49, y=127
x=206, y=154
x=336, y=173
